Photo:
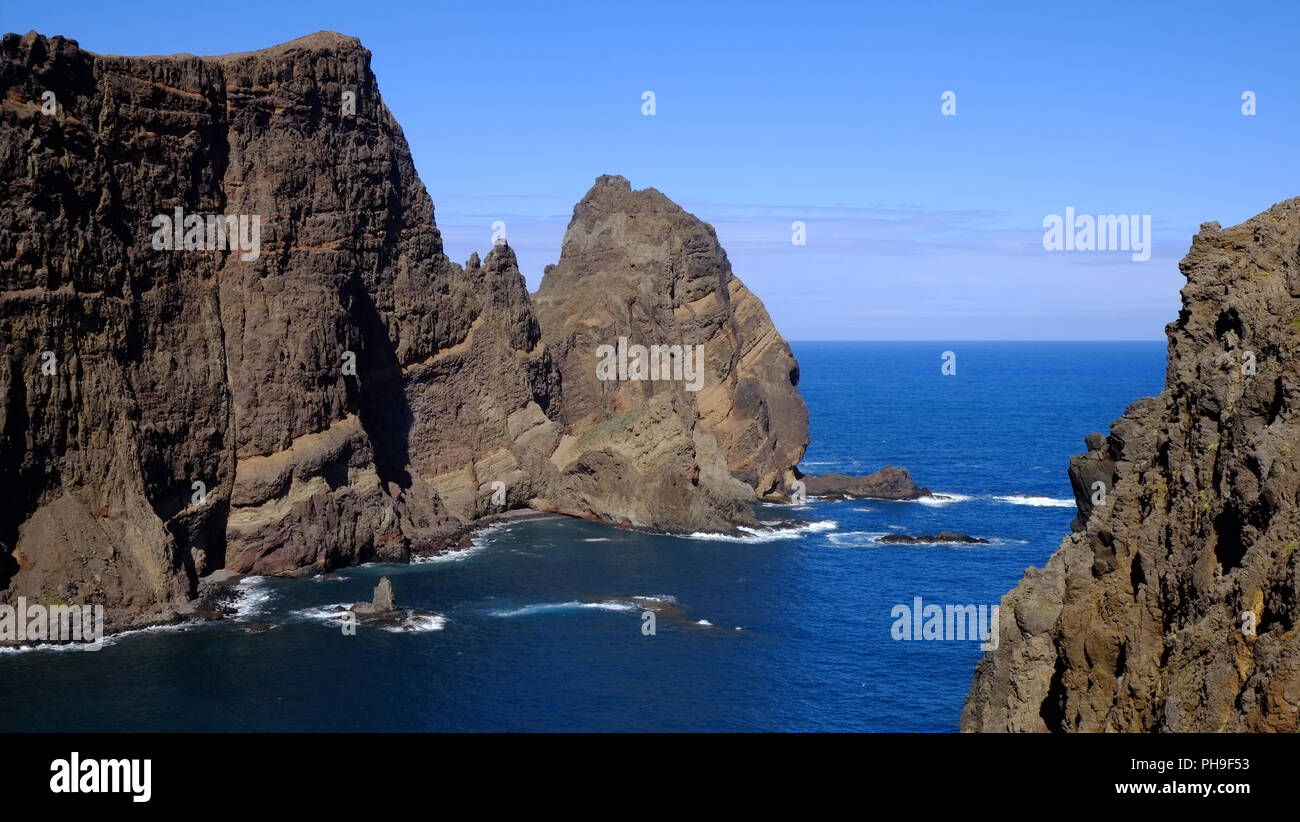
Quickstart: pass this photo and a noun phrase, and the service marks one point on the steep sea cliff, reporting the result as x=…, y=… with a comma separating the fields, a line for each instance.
x=323, y=386
x=1173, y=606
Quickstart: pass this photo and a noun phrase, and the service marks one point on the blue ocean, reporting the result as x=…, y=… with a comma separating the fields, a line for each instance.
x=539, y=626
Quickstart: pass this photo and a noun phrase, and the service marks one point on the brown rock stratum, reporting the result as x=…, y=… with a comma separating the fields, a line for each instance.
x=348, y=393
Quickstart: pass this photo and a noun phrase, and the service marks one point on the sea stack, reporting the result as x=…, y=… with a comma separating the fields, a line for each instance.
x=383, y=601
x=888, y=483
x=654, y=453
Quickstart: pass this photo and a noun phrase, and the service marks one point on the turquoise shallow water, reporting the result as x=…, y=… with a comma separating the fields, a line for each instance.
x=540, y=624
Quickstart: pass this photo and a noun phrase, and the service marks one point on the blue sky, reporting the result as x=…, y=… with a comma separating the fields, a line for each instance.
x=919, y=225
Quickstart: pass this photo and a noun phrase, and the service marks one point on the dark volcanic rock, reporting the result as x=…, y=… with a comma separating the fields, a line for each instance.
x=942, y=536
x=1174, y=606
x=347, y=392
x=887, y=483
x=223, y=368
x=1092, y=475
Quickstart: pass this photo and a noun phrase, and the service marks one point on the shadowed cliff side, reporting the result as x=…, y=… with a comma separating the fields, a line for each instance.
x=1187, y=529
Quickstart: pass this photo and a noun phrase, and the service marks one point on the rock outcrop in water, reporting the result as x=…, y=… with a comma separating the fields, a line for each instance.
x=383, y=601
x=1174, y=605
x=929, y=539
x=338, y=390
x=887, y=483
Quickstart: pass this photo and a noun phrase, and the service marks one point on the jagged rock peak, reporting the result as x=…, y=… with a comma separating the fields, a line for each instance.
x=637, y=267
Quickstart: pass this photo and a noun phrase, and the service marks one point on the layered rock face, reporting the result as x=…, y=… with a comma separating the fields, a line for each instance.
x=333, y=391
x=1174, y=604
x=637, y=270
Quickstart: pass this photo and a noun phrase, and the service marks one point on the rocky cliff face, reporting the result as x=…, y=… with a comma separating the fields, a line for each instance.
x=1174, y=604
x=325, y=389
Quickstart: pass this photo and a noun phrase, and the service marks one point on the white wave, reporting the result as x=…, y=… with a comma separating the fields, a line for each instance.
x=549, y=607
x=705, y=623
x=480, y=541
x=61, y=646
x=856, y=539
x=765, y=534
x=460, y=555
x=596, y=539
x=418, y=624
x=1037, y=501
x=611, y=605
x=665, y=599
x=336, y=615
x=942, y=499
x=251, y=597
x=863, y=510
x=48, y=646
x=110, y=639
x=324, y=613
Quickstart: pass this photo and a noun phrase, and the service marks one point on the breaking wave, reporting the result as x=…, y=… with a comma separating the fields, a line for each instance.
x=942, y=499
x=252, y=595
x=573, y=605
x=765, y=534
x=1037, y=501
x=477, y=544
x=418, y=624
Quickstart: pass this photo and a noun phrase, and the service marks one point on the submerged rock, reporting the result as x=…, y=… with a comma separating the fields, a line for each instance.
x=942, y=536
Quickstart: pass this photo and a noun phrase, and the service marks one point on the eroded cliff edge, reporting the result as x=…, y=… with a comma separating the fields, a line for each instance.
x=1136, y=622
x=171, y=368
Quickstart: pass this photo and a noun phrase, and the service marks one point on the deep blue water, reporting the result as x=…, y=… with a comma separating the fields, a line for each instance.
x=539, y=627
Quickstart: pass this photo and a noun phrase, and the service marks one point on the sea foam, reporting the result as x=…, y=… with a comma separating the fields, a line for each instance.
x=1037, y=501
